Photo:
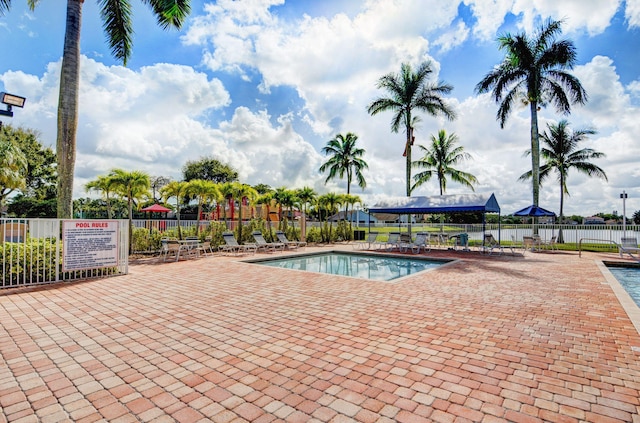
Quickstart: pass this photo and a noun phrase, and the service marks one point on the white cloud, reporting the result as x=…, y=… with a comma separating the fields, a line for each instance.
x=454, y=38
x=490, y=16
x=632, y=13
x=593, y=15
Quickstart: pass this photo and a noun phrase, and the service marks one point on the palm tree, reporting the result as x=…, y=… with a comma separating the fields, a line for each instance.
x=242, y=192
x=306, y=196
x=13, y=168
x=104, y=185
x=226, y=190
x=134, y=185
x=561, y=154
x=345, y=159
x=205, y=192
x=117, y=24
x=285, y=198
x=177, y=189
x=411, y=91
x=265, y=200
x=329, y=202
x=534, y=70
x=439, y=159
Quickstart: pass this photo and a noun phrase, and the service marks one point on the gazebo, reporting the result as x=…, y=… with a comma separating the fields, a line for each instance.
x=454, y=203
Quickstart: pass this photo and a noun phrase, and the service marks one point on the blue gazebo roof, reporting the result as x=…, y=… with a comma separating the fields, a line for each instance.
x=454, y=203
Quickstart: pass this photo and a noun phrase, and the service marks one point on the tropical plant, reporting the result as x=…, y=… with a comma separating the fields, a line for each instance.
x=411, y=91
x=117, y=24
x=534, y=72
x=13, y=168
x=345, y=158
x=306, y=196
x=133, y=186
x=439, y=159
x=265, y=200
x=560, y=153
x=285, y=199
x=177, y=189
x=242, y=192
x=104, y=185
x=329, y=203
x=226, y=191
x=205, y=192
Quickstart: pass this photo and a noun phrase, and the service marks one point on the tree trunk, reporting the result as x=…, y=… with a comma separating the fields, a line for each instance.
x=560, y=239
x=535, y=159
x=68, y=109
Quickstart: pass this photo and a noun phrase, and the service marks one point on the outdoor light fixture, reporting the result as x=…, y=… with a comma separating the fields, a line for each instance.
x=10, y=100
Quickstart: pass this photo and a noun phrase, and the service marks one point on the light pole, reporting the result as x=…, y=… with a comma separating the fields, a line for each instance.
x=10, y=100
x=624, y=213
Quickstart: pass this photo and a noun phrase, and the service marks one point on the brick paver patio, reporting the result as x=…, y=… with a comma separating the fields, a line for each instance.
x=486, y=339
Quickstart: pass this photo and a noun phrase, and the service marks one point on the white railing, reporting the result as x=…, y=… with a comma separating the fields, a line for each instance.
x=32, y=253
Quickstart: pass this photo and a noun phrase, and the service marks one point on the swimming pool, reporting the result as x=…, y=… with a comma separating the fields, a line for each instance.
x=366, y=266
x=629, y=278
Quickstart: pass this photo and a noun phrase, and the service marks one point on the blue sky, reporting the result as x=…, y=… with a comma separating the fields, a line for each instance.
x=264, y=84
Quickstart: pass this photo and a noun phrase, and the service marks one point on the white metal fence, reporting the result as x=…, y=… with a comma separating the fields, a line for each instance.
x=32, y=252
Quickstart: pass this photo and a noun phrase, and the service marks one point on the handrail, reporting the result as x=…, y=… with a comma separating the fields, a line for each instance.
x=594, y=239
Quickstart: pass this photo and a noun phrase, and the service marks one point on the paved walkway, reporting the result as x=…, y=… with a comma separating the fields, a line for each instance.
x=486, y=339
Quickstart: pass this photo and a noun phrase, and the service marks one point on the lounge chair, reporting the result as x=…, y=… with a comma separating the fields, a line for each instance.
x=282, y=237
x=170, y=247
x=552, y=244
x=421, y=242
x=392, y=242
x=629, y=246
x=368, y=243
x=490, y=244
x=262, y=244
x=205, y=247
x=231, y=245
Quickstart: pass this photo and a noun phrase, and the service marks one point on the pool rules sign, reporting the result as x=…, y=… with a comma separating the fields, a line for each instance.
x=89, y=244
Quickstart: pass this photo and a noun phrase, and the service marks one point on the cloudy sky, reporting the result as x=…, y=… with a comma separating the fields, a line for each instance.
x=264, y=84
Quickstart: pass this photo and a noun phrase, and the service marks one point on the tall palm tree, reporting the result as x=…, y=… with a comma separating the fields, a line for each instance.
x=117, y=23
x=205, y=192
x=226, y=190
x=411, y=91
x=345, y=159
x=13, y=168
x=104, y=185
x=534, y=70
x=439, y=159
x=265, y=200
x=242, y=192
x=133, y=186
x=177, y=189
x=560, y=153
x=306, y=196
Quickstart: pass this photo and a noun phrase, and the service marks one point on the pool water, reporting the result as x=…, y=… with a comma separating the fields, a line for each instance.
x=629, y=278
x=366, y=266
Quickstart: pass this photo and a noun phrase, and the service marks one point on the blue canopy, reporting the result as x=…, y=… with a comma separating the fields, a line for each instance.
x=534, y=211
x=455, y=203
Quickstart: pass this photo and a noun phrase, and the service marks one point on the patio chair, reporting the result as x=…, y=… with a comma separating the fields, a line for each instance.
x=170, y=247
x=231, y=245
x=490, y=244
x=205, y=247
x=629, y=246
x=552, y=244
x=421, y=242
x=282, y=237
x=262, y=244
x=368, y=243
x=392, y=242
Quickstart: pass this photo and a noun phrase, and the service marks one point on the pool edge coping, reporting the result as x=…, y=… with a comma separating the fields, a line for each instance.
x=625, y=300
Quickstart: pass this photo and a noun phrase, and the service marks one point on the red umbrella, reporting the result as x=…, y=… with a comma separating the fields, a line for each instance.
x=156, y=208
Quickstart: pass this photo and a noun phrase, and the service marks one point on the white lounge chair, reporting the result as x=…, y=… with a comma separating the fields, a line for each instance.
x=287, y=243
x=231, y=245
x=368, y=243
x=421, y=242
x=629, y=246
x=490, y=244
x=262, y=243
x=392, y=242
